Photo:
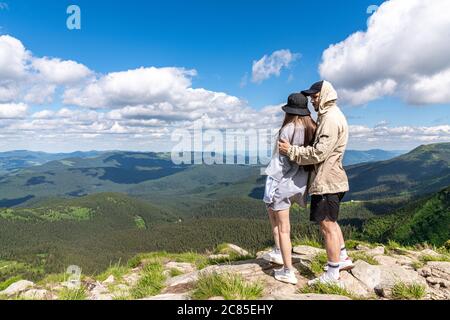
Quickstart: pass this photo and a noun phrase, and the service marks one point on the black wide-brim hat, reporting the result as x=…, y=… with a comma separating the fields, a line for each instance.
x=297, y=104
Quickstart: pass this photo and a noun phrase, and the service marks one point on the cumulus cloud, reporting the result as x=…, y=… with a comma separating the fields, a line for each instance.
x=13, y=110
x=60, y=72
x=404, y=52
x=383, y=136
x=24, y=77
x=272, y=65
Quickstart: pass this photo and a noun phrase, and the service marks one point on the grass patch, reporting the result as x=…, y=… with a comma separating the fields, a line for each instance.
x=151, y=283
x=117, y=270
x=53, y=278
x=318, y=263
x=403, y=291
x=363, y=256
x=229, y=286
x=426, y=258
x=5, y=284
x=417, y=265
x=175, y=272
x=307, y=241
x=321, y=288
x=73, y=294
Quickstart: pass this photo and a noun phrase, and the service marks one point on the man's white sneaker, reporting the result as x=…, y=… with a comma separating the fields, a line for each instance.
x=344, y=265
x=286, y=275
x=274, y=256
x=324, y=279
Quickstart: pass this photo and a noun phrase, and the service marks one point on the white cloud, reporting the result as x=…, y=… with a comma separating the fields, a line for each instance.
x=272, y=65
x=60, y=72
x=13, y=110
x=403, y=52
x=382, y=136
x=24, y=77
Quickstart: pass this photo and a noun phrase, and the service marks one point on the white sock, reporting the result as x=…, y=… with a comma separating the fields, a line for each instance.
x=333, y=270
x=343, y=255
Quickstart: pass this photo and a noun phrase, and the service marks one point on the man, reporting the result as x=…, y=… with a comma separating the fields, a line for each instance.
x=328, y=181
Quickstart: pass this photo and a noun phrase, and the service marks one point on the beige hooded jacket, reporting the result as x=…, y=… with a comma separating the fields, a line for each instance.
x=328, y=149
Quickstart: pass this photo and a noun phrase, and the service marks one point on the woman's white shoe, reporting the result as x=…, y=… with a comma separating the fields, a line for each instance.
x=274, y=256
x=324, y=279
x=286, y=275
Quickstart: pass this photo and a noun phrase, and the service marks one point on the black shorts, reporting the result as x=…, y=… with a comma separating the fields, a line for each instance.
x=325, y=207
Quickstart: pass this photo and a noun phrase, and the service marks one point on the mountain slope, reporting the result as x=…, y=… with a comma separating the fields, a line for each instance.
x=424, y=170
x=353, y=157
x=426, y=220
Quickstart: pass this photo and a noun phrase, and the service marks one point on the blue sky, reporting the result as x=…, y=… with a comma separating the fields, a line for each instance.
x=221, y=40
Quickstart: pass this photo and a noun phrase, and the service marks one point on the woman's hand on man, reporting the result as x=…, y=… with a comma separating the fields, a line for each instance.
x=283, y=146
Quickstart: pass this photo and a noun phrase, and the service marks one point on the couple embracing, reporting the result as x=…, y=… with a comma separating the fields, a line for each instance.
x=308, y=160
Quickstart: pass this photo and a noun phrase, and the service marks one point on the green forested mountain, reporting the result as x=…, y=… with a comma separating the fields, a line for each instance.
x=58, y=213
x=424, y=220
x=424, y=170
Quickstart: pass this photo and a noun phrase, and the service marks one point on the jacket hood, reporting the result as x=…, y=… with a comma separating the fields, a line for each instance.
x=328, y=97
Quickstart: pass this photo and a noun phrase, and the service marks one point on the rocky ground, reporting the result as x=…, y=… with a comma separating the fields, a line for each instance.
x=378, y=274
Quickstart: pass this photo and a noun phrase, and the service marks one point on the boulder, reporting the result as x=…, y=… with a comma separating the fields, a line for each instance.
x=382, y=278
x=182, y=279
x=232, y=248
x=354, y=286
x=168, y=296
x=109, y=280
x=375, y=251
x=182, y=267
x=37, y=294
x=219, y=256
x=306, y=296
x=17, y=288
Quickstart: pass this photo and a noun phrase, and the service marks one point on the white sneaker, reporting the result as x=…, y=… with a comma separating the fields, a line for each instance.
x=344, y=265
x=325, y=279
x=286, y=275
x=274, y=256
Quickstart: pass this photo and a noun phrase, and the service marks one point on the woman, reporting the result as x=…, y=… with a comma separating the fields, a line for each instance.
x=287, y=181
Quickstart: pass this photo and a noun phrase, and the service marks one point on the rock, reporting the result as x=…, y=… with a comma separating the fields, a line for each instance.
x=260, y=254
x=361, y=247
x=98, y=289
x=232, y=248
x=382, y=278
x=102, y=297
x=219, y=256
x=429, y=252
x=437, y=275
x=168, y=296
x=375, y=251
x=273, y=287
x=307, y=296
x=17, y=287
x=132, y=278
x=183, y=267
x=109, y=280
x=37, y=294
x=249, y=270
x=369, y=275
x=440, y=282
x=307, y=251
x=182, y=279
x=217, y=298
x=385, y=260
x=440, y=269
x=354, y=286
